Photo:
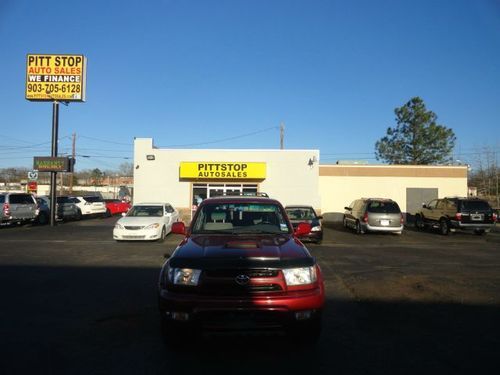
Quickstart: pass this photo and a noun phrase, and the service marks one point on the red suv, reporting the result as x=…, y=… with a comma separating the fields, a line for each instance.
x=241, y=268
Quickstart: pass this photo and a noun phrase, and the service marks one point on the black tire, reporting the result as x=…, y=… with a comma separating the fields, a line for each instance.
x=306, y=334
x=108, y=213
x=163, y=234
x=359, y=228
x=175, y=335
x=419, y=222
x=42, y=218
x=78, y=215
x=479, y=232
x=444, y=228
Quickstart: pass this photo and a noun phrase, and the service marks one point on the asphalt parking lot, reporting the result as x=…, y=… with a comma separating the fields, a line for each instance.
x=76, y=302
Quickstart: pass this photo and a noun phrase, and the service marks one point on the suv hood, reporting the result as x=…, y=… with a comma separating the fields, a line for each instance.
x=203, y=250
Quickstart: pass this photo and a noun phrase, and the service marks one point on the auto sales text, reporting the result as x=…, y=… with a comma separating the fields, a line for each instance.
x=221, y=170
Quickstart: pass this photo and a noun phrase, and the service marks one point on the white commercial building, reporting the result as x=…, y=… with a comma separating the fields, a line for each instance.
x=182, y=177
x=185, y=177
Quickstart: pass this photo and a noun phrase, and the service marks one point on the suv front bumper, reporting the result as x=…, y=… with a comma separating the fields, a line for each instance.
x=236, y=313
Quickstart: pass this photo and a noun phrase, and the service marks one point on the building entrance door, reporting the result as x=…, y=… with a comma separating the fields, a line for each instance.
x=203, y=191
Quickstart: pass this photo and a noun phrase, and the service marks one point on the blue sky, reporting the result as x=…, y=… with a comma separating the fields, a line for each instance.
x=188, y=72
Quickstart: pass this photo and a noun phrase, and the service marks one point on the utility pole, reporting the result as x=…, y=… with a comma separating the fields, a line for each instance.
x=282, y=136
x=53, y=175
x=73, y=154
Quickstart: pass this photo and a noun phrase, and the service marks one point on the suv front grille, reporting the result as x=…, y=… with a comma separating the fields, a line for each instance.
x=231, y=273
x=223, y=282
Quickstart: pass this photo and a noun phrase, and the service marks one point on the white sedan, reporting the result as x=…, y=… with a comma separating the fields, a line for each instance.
x=146, y=221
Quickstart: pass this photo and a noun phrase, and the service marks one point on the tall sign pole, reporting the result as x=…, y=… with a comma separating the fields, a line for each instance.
x=53, y=175
x=55, y=78
x=73, y=155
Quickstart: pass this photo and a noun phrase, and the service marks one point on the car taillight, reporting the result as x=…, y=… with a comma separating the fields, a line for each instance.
x=6, y=209
x=495, y=217
x=458, y=216
x=402, y=219
x=365, y=217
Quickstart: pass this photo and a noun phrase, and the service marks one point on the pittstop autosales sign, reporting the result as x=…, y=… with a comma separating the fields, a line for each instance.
x=56, y=77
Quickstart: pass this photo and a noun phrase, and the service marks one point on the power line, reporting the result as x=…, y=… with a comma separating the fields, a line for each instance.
x=224, y=139
x=103, y=156
x=105, y=141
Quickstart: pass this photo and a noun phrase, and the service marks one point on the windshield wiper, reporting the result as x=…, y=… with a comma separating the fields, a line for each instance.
x=258, y=231
x=214, y=231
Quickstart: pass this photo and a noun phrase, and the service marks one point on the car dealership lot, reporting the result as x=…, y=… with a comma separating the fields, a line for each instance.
x=75, y=301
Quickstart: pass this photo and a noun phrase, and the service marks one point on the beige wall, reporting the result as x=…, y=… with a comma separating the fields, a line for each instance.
x=289, y=177
x=339, y=185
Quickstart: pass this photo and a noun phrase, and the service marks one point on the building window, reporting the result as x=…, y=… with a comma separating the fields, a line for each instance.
x=204, y=191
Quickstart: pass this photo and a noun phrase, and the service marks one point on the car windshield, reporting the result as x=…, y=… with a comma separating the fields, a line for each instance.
x=141, y=211
x=383, y=207
x=300, y=213
x=240, y=218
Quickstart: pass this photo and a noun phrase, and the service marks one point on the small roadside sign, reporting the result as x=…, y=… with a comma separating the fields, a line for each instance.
x=32, y=175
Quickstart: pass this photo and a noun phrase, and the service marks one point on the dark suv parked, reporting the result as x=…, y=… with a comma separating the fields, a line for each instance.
x=241, y=268
x=449, y=214
x=17, y=208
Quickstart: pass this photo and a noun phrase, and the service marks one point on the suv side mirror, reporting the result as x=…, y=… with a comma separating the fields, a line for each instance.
x=302, y=229
x=179, y=228
x=424, y=205
x=320, y=217
x=348, y=208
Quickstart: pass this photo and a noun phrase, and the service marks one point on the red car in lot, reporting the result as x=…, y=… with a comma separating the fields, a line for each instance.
x=239, y=268
x=116, y=206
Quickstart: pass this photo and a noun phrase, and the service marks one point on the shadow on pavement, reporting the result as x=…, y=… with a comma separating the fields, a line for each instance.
x=103, y=320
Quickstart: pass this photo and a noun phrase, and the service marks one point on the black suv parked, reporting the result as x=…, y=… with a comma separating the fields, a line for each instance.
x=449, y=214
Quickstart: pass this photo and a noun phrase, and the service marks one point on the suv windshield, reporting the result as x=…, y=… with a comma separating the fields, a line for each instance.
x=383, y=207
x=300, y=213
x=143, y=211
x=240, y=218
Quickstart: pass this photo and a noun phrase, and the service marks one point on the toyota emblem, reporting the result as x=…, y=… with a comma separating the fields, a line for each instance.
x=242, y=279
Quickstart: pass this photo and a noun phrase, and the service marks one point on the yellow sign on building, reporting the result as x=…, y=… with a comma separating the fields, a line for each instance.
x=223, y=170
x=56, y=77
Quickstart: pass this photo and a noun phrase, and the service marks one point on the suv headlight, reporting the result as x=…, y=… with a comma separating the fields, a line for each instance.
x=152, y=226
x=300, y=276
x=184, y=276
x=118, y=226
x=317, y=228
